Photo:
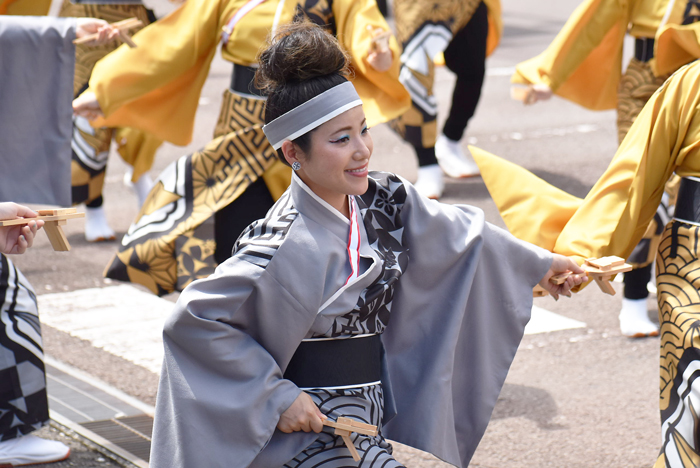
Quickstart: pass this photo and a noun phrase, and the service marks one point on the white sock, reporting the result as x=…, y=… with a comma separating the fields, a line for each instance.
x=96, y=226
x=634, y=319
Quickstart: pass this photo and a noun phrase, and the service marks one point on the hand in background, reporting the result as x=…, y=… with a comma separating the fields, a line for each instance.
x=380, y=56
x=86, y=105
x=105, y=32
x=17, y=239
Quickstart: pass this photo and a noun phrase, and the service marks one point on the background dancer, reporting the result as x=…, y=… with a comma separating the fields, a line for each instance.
x=91, y=145
x=465, y=32
x=202, y=202
x=611, y=220
x=583, y=65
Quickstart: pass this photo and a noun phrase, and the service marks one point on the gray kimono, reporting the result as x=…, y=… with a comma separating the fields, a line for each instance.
x=449, y=293
x=37, y=62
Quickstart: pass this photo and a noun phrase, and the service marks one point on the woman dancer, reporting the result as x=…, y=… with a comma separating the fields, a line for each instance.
x=91, y=145
x=294, y=327
x=203, y=201
x=612, y=219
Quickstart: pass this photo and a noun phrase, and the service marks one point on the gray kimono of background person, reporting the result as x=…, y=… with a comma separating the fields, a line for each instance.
x=37, y=63
x=459, y=305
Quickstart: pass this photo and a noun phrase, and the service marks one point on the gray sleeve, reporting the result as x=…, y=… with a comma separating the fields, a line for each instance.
x=221, y=391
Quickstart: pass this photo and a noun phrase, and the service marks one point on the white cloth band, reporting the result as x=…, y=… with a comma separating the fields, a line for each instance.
x=311, y=114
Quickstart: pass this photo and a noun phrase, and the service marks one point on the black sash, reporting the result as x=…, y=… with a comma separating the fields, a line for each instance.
x=242, y=80
x=336, y=363
x=644, y=48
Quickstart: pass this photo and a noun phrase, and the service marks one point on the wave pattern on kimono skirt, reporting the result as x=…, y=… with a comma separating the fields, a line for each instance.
x=171, y=243
x=678, y=284
x=91, y=145
x=23, y=399
x=363, y=404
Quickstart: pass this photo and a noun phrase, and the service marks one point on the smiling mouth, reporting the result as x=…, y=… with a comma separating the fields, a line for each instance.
x=359, y=170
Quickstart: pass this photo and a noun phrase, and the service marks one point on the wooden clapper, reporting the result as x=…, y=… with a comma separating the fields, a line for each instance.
x=345, y=426
x=600, y=269
x=53, y=220
x=122, y=26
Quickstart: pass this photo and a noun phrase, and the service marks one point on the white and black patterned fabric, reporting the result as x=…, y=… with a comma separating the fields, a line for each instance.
x=23, y=400
x=364, y=404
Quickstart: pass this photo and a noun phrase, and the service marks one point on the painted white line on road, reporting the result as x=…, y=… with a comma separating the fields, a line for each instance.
x=122, y=320
x=500, y=71
x=544, y=321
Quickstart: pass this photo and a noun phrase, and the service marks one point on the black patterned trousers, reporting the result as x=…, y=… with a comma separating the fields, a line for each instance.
x=23, y=400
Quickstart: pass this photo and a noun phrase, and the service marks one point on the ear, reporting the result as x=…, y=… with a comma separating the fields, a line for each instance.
x=291, y=152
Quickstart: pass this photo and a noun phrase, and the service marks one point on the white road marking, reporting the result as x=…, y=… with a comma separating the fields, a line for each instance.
x=128, y=322
x=122, y=320
x=544, y=321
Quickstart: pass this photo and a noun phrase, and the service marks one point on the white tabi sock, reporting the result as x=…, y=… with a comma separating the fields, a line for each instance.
x=96, y=227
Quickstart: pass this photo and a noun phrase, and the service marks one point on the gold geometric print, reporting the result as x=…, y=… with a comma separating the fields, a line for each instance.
x=678, y=280
x=170, y=258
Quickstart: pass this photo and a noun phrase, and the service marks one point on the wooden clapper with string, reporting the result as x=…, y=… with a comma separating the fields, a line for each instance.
x=600, y=269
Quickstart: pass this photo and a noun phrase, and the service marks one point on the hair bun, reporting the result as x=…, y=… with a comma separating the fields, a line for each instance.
x=298, y=52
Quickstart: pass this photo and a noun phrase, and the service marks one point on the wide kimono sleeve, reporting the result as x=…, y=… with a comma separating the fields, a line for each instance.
x=583, y=63
x=458, y=315
x=155, y=87
x=221, y=391
x=383, y=96
x=37, y=62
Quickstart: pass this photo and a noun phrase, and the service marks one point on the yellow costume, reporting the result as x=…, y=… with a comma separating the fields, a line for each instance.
x=156, y=88
x=611, y=220
x=91, y=145
x=583, y=65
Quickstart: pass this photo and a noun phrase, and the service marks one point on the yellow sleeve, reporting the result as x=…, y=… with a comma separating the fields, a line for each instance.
x=383, y=96
x=25, y=7
x=155, y=87
x=583, y=63
x=616, y=212
x=675, y=46
x=663, y=139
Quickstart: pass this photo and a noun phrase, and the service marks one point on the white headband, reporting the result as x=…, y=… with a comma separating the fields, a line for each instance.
x=311, y=114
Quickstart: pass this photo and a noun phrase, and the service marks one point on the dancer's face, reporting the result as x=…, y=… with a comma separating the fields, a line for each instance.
x=336, y=164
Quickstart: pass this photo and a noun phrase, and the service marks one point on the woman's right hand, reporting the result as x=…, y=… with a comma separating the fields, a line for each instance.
x=302, y=415
x=86, y=105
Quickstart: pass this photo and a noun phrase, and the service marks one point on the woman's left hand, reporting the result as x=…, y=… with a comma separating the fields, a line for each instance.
x=562, y=264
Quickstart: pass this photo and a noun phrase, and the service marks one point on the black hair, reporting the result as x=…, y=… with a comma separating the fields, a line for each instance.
x=301, y=62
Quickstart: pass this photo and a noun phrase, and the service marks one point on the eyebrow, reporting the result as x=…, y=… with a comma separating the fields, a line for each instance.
x=349, y=128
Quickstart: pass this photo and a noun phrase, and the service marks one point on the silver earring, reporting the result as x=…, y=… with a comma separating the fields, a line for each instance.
x=296, y=166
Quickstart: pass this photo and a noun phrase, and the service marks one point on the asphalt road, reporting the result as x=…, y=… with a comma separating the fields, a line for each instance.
x=576, y=398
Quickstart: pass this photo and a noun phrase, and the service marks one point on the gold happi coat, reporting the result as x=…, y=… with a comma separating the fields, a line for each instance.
x=611, y=220
x=583, y=63
x=156, y=86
